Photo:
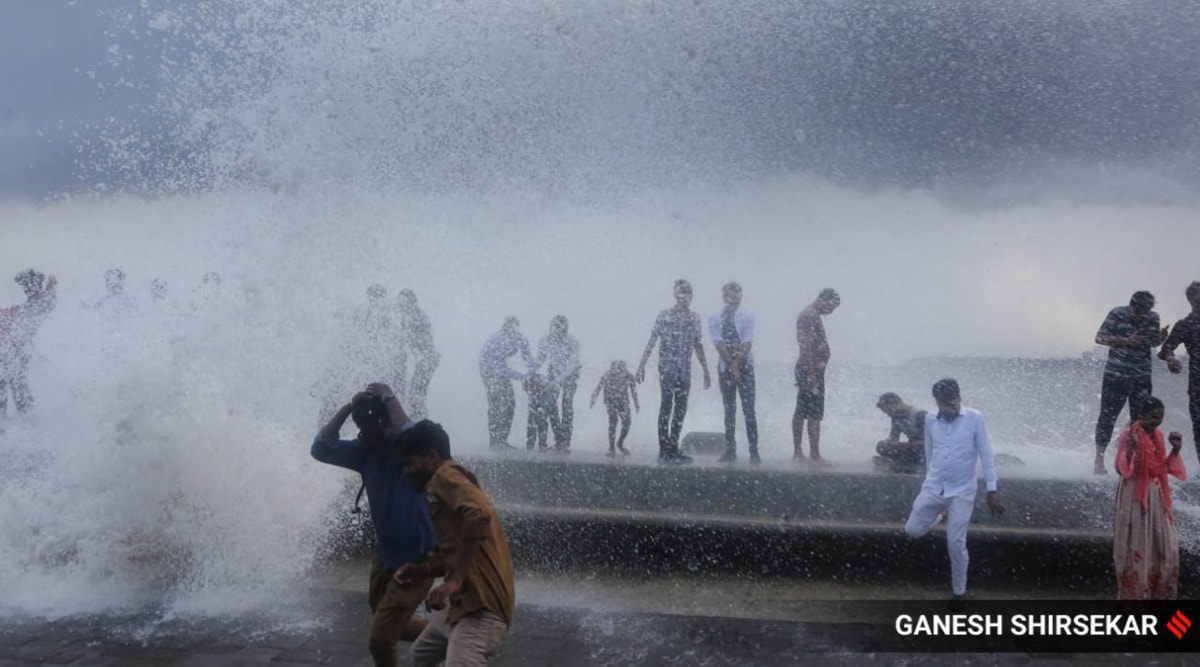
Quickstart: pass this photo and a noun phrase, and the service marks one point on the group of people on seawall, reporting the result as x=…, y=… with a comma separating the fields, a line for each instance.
x=677, y=332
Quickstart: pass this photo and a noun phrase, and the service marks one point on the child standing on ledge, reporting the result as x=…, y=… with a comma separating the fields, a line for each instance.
x=618, y=385
x=543, y=416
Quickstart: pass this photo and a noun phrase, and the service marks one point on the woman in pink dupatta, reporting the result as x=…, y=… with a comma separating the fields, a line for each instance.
x=1145, y=543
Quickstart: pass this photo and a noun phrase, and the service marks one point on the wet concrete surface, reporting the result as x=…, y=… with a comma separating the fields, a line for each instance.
x=584, y=618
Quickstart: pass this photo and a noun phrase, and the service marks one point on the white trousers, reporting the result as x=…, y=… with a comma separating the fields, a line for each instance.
x=925, y=510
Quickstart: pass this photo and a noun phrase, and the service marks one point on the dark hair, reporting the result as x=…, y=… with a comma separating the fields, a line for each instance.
x=888, y=398
x=946, y=389
x=1142, y=299
x=30, y=278
x=370, y=412
x=1192, y=290
x=422, y=438
x=1148, y=405
x=682, y=285
x=829, y=295
x=731, y=288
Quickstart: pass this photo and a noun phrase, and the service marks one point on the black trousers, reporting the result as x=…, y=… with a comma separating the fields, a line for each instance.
x=672, y=411
x=1115, y=392
x=729, y=394
x=502, y=404
x=542, y=421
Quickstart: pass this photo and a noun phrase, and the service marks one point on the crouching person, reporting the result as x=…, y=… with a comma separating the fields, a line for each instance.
x=400, y=513
x=473, y=607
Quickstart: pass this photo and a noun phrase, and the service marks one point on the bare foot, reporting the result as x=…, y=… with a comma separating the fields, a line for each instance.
x=1099, y=467
x=624, y=452
x=821, y=462
x=611, y=454
x=799, y=459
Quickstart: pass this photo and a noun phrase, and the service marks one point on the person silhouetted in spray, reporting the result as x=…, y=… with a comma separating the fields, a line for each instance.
x=19, y=325
x=618, y=384
x=678, y=330
x=498, y=378
x=416, y=338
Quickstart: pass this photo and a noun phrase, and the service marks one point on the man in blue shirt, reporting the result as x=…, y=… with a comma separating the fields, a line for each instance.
x=955, y=438
x=403, y=527
x=498, y=379
x=1130, y=333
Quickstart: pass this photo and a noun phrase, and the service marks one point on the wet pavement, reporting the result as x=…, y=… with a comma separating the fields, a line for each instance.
x=563, y=619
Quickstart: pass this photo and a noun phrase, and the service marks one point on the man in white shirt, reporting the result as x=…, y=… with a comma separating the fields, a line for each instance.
x=954, y=439
x=732, y=332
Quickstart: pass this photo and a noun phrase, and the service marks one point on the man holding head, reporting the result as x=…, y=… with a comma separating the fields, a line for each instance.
x=473, y=607
x=1130, y=332
x=400, y=513
x=1187, y=333
x=810, y=375
x=955, y=438
x=679, y=331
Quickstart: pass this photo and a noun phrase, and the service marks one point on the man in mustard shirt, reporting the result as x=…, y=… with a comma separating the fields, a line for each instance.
x=474, y=604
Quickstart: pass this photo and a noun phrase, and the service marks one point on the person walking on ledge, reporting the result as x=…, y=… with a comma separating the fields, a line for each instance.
x=679, y=330
x=810, y=375
x=618, y=384
x=955, y=438
x=1130, y=332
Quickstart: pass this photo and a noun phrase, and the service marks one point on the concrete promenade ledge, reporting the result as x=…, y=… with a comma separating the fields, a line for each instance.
x=580, y=510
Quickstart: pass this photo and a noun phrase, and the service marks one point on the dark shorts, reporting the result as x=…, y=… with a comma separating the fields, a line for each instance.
x=618, y=409
x=810, y=404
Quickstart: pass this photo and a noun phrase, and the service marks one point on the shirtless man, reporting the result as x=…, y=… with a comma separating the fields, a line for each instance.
x=810, y=375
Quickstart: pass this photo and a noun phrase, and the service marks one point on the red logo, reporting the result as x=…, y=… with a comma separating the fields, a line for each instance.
x=1179, y=624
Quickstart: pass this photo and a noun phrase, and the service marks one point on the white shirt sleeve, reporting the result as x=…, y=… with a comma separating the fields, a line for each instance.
x=747, y=334
x=714, y=329
x=987, y=460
